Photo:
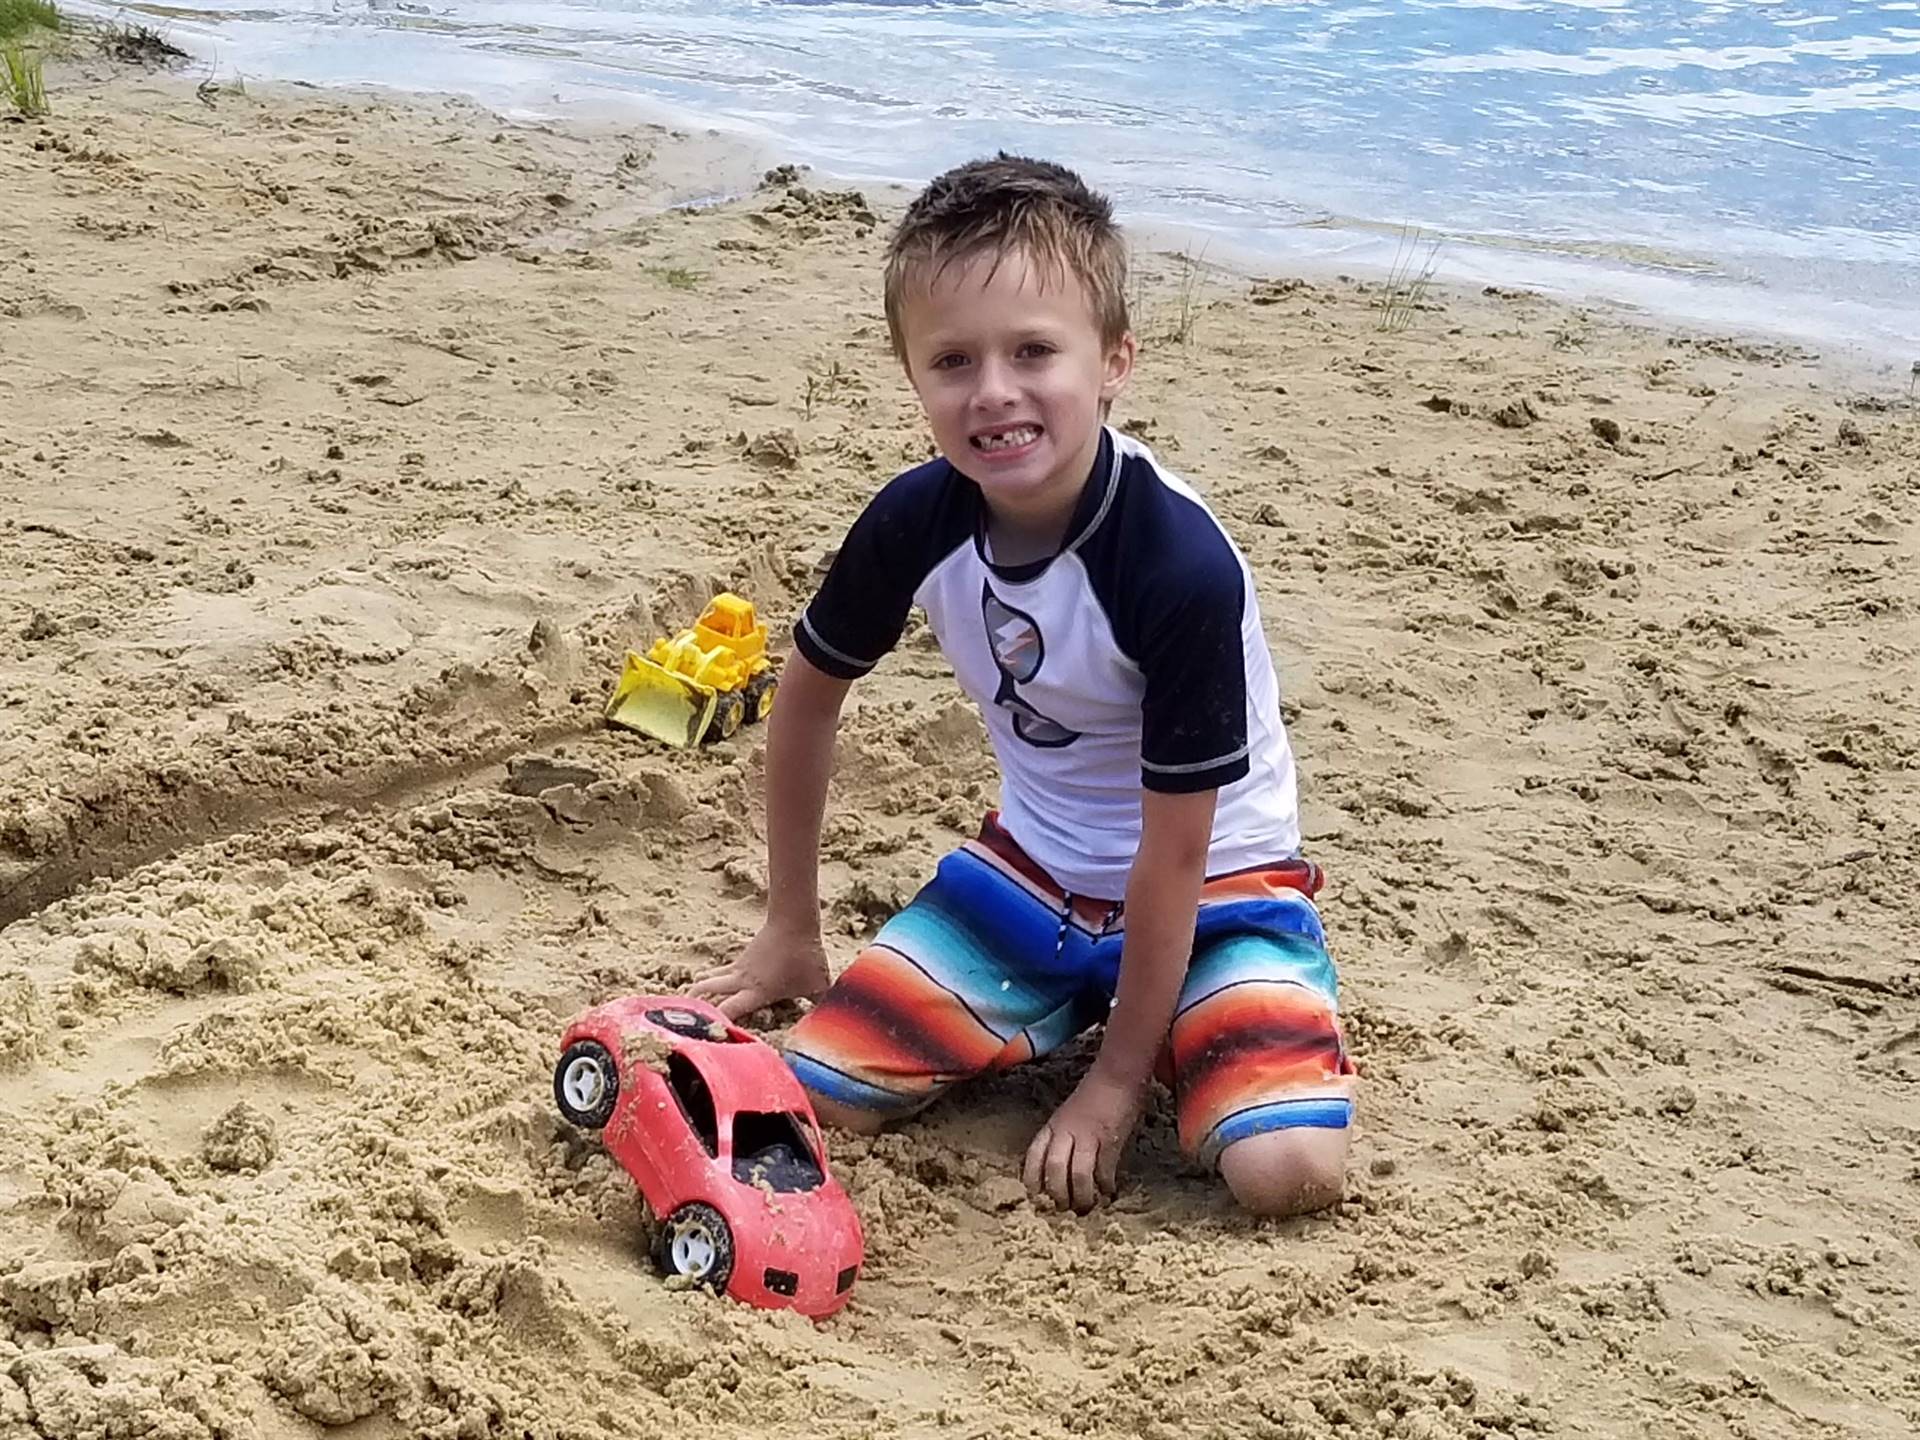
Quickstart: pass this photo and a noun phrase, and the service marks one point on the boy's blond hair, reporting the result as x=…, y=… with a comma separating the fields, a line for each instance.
x=1007, y=204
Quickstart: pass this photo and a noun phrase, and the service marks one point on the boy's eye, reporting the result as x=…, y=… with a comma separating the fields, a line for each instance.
x=1034, y=348
x=949, y=361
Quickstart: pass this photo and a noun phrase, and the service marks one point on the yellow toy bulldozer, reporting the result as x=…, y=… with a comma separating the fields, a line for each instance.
x=701, y=684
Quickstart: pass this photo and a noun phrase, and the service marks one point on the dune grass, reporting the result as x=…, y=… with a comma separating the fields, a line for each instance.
x=1157, y=315
x=19, y=18
x=136, y=45
x=1186, y=312
x=1405, y=293
x=23, y=79
x=23, y=82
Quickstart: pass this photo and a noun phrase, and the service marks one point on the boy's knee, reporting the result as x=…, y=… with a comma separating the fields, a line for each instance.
x=1287, y=1172
x=836, y=1116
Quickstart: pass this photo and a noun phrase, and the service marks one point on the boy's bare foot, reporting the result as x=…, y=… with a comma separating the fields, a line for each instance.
x=776, y=965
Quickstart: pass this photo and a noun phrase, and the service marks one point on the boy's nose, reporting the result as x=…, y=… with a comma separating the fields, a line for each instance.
x=995, y=390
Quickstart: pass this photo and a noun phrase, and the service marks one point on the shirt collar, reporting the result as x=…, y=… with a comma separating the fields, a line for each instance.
x=1096, y=499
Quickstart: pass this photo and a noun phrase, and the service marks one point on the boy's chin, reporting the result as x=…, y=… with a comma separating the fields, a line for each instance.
x=1012, y=487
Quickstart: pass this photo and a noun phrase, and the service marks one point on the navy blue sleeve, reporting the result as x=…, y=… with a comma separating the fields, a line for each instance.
x=861, y=608
x=1173, y=587
x=1193, y=731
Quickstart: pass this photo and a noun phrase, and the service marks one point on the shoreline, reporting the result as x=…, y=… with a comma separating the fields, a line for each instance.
x=352, y=443
x=1688, y=292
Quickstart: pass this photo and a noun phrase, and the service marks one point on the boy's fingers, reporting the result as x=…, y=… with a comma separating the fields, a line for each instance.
x=1059, y=1168
x=1107, y=1172
x=1086, y=1158
x=741, y=1003
x=733, y=998
x=1031, y=1172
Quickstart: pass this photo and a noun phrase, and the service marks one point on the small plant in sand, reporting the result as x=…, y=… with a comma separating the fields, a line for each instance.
x=21, y=17
x=1414, y=262
x=210, y=90
x=825, y=386
x=23, y=79
x=1180, y=314
x=1186, y=300
x=677, y=277
x=24, y=27
x=137, y=45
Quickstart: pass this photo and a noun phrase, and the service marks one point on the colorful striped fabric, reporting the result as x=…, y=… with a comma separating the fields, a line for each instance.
x=992, y=964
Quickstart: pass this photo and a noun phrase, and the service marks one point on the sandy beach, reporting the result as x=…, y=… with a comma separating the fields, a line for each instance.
x=346, y=443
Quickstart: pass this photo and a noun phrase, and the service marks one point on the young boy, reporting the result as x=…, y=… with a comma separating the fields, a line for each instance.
x=1142, y=870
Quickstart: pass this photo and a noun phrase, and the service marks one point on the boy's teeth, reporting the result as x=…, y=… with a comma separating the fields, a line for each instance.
x=1026, y=434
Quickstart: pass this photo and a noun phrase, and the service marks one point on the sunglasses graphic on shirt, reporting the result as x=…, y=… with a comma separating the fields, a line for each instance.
x=1018, y=651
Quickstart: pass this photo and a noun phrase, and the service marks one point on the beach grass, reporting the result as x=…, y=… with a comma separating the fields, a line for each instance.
x=19, y=18
x=677, y=277
x=23, y=27
x=1187, y=306
x=1414, y=260
x=824, y=386
x=210, y=90
x=136, y=45
x=1174, y=321
x=23, y=79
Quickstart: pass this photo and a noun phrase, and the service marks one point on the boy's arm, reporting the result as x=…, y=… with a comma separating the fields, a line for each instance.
x=787, y=959
x=1076, y=1156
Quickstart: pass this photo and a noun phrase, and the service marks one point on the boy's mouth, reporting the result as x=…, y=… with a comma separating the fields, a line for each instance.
x=1011, y=437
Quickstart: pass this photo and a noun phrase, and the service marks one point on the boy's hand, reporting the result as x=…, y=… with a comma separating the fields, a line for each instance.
x=778, y=964
x=1076, y=1156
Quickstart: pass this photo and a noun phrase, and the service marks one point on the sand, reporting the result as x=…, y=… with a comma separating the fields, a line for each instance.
x=344, y=445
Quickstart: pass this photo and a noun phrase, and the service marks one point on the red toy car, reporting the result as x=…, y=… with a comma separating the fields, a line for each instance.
x=723, y=1143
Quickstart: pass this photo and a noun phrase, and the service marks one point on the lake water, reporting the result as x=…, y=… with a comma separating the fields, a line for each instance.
x=1753, y=160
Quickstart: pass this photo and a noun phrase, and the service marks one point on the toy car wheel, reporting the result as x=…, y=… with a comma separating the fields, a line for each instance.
x=727, y=715
x=759, y=695
x=696, y=1243
x=586, y=1083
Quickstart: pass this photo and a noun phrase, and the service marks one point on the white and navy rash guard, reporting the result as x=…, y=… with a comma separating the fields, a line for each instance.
x=1133, y=658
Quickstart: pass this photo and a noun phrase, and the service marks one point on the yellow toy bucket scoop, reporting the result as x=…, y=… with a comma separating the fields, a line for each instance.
x=657, y=702
x=701, y=684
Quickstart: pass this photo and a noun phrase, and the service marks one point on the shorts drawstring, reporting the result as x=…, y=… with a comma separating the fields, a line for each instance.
x=1066, y=919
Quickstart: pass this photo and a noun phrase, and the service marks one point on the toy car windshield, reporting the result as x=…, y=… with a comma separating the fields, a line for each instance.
x=773, y=1149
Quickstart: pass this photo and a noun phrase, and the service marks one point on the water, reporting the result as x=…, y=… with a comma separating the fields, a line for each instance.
x=1754, y=160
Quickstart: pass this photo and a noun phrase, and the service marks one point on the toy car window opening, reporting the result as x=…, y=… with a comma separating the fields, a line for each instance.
x=693, y=1025
x=696, y=1100
x=774, y=1149
x=781, y=1282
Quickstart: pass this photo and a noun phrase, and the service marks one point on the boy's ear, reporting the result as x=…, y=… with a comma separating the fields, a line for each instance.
x=1119, y=368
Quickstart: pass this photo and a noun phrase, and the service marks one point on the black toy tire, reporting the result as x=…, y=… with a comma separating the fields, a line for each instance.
x=728, y=712
x=759, y=694
x=694, y=1242
x=586, y=1084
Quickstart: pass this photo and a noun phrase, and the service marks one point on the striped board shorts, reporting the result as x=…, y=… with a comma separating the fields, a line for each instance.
x=993, y=963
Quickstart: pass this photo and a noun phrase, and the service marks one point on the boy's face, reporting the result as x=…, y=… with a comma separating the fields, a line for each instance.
x=1010, y=367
